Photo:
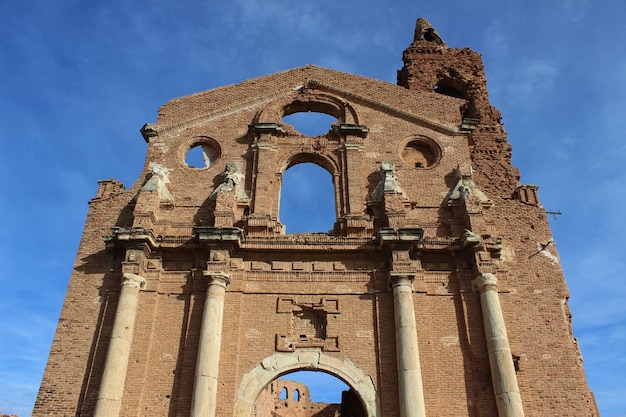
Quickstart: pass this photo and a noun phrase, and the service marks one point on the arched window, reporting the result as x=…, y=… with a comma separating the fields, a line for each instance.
x=296, y=395
x=307, y=199
x=310, y=123
x=283, y=394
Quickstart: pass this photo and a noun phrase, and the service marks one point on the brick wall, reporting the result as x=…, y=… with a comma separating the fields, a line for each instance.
x=283, y=286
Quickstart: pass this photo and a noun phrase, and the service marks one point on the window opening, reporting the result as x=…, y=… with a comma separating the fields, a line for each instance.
x=200, y=156
x=322, y=387
x=307, y=199
x=419, y=154
x=315, y=392
x=310, y=123
x=283, y=394
x=448, y=90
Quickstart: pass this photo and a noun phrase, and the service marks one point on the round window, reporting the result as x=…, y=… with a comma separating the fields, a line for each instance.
x=200, y=154
x=420, y=153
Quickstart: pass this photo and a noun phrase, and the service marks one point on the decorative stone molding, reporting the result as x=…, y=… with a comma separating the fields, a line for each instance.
x=465, y=188
x=388, y=182
x=212, y=234
x=233, y=181
x=217, y=277
x=133, y=280
x=279, y=364
x=156, y=183
x=352, y=129
x=309, y=324
x=267, y=127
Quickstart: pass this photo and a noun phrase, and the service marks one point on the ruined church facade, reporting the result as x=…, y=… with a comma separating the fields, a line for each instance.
x=438, y=291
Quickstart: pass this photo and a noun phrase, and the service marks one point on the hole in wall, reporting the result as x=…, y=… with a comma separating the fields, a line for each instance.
x=419, y=154
x=307, y=199
x=201, y=155
x=452, y=87
x=447, y=90
x=516, y=364
x=317, y=393
x=310, y=123
x=322, y=387
x=283, y=394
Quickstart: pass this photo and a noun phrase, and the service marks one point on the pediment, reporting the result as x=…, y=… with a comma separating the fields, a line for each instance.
x=436, y=111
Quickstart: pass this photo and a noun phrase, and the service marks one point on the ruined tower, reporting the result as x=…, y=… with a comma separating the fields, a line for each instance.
x=438, y=291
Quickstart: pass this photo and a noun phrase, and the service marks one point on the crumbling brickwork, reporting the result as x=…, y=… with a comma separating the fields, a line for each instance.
x=438, y=291
x=284, y=398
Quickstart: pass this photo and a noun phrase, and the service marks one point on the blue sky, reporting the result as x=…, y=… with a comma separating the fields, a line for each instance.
x=79, y=78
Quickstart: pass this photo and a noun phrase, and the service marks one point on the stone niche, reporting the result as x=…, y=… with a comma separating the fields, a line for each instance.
x=308, y=323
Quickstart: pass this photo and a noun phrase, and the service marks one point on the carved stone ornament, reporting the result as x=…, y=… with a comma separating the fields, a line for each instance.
x=233, y=180
x=156, y=183
x=465, y=188
x=388, y=182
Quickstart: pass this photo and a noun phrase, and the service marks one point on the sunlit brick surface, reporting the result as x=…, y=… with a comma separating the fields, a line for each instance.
x=452, y=180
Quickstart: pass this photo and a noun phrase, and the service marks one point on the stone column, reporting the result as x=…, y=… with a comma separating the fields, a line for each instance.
x=411, y=391
x=204, y=400
x=503, y=376
x=118, y=354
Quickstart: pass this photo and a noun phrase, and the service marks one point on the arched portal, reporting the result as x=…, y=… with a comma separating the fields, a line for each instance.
x=279, y=364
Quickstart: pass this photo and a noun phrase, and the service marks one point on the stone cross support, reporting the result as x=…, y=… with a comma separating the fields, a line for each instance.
x=118, y=354
x=409, y=371
x=204, y=400
x=505, y=386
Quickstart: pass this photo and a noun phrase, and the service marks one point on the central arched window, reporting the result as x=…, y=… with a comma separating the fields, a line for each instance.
x=307, y=199
x=310, y=123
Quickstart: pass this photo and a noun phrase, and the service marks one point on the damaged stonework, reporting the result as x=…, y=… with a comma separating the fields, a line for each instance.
x=434, y=248
x=270, y=368
x=156, y=183
x=233, y=179
x=388, y=182
x=465, y=188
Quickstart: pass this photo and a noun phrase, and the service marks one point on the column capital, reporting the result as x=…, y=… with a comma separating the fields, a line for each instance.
x=486, y=281
x=130, y=279
x=401, y=278
x=217, y=277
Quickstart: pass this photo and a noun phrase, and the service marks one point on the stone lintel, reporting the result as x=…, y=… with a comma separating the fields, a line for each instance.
x=389, y=236
x=267, y=127
x=124, y=235
x=352, y=129
x=352, y=147
x=469, y=123
x=219, y=234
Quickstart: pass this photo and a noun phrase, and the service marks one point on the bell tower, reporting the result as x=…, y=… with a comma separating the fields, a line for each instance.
x=430, y=65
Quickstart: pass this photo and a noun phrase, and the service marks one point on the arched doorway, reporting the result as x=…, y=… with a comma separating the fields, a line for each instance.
x=272, y=367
